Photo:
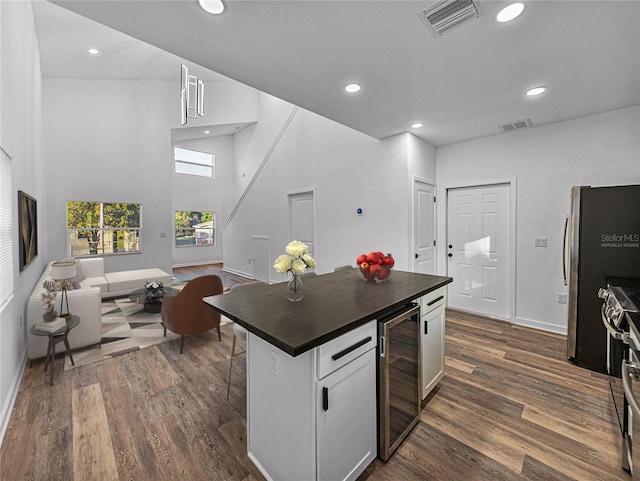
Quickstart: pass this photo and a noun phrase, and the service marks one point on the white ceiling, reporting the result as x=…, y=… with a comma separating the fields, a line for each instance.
x=462, y=85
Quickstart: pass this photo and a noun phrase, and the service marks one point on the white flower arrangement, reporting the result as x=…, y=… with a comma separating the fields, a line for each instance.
x=153, y=290
x=154, y=286
x=296, y=260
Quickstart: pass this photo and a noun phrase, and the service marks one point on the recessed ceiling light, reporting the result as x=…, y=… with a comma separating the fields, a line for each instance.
x=352, y=88
x=207, y=131
x=93, y=51
x=417, y=125
x=510, y=12
x=216, y=7
x=536, y=91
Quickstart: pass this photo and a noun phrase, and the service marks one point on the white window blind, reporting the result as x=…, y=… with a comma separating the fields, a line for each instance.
x=6, y=229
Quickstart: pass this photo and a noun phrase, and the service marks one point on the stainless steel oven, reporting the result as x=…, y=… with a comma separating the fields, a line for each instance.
x=618, y=313
x=616, y=324
x=399, y=377
x=631, y=385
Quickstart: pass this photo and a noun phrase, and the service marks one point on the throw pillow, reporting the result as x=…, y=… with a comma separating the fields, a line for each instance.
x=80, y=276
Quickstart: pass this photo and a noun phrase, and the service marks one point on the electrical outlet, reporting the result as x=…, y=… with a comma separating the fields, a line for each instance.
x=562, y=298
x=163, y=234
x=275, y=364
x=540, y=242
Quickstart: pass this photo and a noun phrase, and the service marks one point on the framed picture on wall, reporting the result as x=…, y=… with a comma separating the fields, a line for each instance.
x=28, y=229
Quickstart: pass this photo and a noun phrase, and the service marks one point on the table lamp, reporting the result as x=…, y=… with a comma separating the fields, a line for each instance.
x=63, y=271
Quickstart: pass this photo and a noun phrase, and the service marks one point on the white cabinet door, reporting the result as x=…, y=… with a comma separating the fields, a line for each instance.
x=432, y=328
x=346, y=419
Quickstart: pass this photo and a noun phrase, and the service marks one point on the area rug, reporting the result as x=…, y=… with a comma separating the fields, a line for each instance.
x=126, y=327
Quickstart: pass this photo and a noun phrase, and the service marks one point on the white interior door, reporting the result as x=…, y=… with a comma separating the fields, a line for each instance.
x=261, y=258
x=302, y=219
x=478, y=251
x=424, y=232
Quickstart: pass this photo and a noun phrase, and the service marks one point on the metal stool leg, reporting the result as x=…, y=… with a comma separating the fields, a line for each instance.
x=233, y=351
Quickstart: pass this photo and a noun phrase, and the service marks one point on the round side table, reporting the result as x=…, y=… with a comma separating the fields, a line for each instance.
x=54, y=338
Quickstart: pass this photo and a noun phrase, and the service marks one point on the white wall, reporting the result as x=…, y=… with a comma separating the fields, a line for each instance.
x=20, y=132
x=110, y=140
x=195, y=193
x=252, y=144
x=546, y=161
x=345, y=168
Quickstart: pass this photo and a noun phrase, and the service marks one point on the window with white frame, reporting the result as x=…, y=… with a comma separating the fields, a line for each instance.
x=6, y=230
x=192, y=162
x=100, y=228
x=195, y=228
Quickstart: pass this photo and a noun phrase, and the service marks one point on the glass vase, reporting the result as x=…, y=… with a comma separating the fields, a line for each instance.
x=295, y=291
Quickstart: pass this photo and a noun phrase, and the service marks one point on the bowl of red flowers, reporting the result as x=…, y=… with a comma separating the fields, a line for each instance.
x=375, y=266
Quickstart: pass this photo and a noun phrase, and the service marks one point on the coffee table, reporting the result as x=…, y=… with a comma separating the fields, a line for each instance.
x=54, y=338
x=138, y=296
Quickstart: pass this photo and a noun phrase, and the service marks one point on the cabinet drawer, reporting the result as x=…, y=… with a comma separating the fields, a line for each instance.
x=433, y=300
x=338, y=352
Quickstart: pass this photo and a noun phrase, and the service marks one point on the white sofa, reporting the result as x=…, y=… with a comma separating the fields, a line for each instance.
x=113, y=284
x=84, y=302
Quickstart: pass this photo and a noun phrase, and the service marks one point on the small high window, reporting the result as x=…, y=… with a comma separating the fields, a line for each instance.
x=192, y=162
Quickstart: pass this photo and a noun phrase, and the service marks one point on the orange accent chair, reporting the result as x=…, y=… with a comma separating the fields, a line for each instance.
x=186, y=313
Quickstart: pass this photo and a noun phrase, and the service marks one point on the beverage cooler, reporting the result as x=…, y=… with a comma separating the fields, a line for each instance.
x=398, y=377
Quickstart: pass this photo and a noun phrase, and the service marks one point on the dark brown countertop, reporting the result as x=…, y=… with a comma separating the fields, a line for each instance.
x=333, y=304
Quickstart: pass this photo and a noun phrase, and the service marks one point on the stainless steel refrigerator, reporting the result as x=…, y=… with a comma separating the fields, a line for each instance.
x=602, y=238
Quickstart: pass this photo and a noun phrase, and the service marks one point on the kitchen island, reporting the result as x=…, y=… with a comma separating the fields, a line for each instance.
x=311, y=370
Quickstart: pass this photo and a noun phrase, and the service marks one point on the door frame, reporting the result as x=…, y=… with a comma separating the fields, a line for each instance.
x=422, y=180
x=443, y=209
x=253, y=254
x=289, y=195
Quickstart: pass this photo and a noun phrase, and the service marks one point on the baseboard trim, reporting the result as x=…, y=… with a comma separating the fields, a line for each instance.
x=543, y=326
x=237, y=272
x=7, y=409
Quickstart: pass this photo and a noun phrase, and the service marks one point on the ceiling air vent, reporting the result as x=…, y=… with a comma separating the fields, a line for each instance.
x=517, y=125
x=444, y=15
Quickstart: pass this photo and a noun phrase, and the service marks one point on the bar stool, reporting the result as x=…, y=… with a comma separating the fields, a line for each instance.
x=239, y=332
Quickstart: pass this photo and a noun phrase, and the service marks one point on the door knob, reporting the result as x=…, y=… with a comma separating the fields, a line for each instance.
x=416, y=255
x=450, y=246
x=450, y=254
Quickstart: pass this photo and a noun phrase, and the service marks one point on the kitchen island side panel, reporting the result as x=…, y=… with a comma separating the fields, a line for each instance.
x=281, y=409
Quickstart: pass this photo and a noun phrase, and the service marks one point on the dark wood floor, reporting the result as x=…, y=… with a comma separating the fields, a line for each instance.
x=509, y=408
x=183, y=274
